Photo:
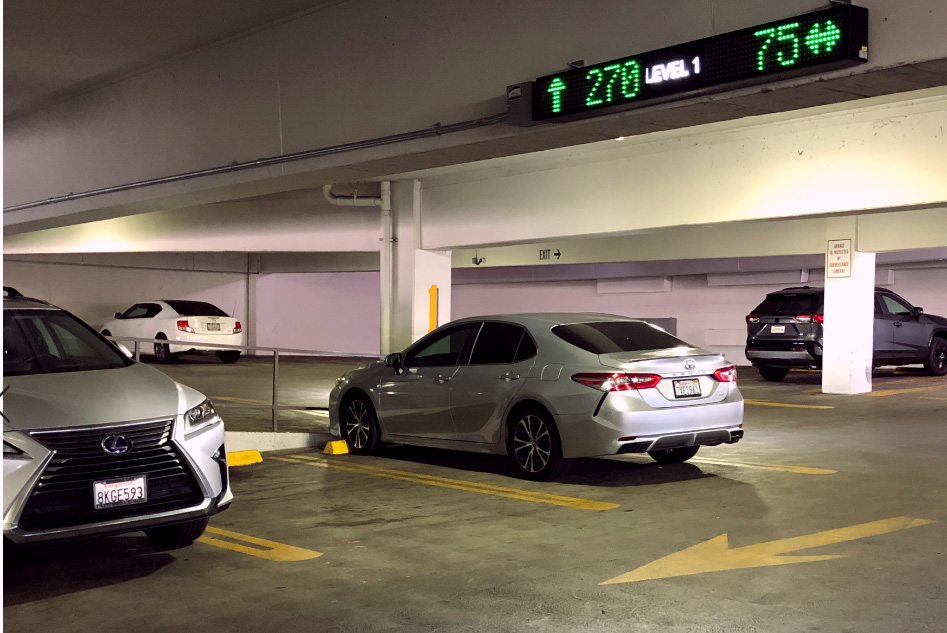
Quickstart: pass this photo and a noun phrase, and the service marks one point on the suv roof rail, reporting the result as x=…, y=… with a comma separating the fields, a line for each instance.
x=10, y=291
x=819, y=289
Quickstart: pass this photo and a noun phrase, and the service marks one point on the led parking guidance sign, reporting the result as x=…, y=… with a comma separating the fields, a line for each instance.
x=810, y=43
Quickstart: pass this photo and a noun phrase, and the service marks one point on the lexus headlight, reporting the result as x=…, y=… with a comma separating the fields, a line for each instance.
x=201, y=414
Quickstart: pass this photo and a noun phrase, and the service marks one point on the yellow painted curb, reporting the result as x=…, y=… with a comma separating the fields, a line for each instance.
x=338, y=447
x=244, y=458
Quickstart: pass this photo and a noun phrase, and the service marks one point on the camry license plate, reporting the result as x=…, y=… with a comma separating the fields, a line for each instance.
x=114, y=493
x=777, y=329
x=213, y=327
x=687, y=388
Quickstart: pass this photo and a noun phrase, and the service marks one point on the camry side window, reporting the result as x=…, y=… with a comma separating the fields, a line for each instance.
x=893, y=306
x=441, y=351
x=497, y=344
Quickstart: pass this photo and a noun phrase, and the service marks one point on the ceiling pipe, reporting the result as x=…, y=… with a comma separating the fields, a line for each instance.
x=386, y=259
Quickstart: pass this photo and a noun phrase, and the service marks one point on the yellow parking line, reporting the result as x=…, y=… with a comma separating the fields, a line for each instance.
x=238, y=400
x=800, y=470
x=456, y=484
x=894, y=392
x=766, y=403
x=269, y=550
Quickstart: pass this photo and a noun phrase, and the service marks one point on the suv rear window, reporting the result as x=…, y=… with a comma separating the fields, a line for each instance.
x=610, y=337
x=790, y=304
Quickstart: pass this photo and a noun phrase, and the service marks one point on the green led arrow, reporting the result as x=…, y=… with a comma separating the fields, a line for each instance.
x=555, y=88
x=825, y=38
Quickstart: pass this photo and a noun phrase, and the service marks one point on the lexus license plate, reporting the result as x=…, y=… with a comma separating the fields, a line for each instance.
x=113, y=493
x=687, y=388
x=213, y=327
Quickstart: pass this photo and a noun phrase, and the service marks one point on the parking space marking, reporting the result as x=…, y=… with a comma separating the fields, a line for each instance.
x=767, y=403
x=269, y=550
x=259, y=404
x=895, y=392
x=800, y=470
x=455, y=484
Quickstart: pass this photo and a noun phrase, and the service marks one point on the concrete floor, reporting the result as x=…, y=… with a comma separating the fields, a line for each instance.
x=466, y=547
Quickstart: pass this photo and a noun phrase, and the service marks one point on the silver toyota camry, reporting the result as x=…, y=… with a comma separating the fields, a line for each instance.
x=543, y=388
x=95, y=443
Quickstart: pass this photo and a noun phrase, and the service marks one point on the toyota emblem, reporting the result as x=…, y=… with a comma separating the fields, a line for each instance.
x=690, y=364
x=116, y=444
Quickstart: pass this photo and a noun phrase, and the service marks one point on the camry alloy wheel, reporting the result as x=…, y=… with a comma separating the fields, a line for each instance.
x=532, y=443
x=357, y=424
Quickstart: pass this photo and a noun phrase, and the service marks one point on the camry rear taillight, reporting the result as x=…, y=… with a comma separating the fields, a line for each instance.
x=617, y=381
x=726, y=374
x=184, y=326
x=752, y=318
x=809, y=318
x=237, y=329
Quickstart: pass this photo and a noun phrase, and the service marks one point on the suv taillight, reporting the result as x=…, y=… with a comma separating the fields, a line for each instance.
x=237, y=329
x=752, y=318
x=726, y=374
x=809, y=318
x=184, y=326
x=617, y=381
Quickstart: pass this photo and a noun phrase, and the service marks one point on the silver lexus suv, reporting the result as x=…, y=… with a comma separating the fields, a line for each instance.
x=95, y=443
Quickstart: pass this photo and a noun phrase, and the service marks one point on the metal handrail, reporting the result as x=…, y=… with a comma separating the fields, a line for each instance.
x=276, y=351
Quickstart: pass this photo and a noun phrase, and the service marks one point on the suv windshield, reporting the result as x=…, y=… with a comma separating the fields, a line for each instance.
x=790, y=304
x=52, y=341
x=610, y=337
x=195, y=308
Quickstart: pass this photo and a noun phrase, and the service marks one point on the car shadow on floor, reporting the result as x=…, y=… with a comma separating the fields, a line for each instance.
x=590, y=471
x=40, y=572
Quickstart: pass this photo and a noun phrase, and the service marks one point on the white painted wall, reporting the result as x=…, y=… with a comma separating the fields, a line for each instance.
x=710, y=317
x=338, y=312
x=95, y=293
x=313, y=311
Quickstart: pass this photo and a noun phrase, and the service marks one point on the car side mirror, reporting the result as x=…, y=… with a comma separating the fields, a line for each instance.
x=118, y=315
x=918, y=312
x=393, y=361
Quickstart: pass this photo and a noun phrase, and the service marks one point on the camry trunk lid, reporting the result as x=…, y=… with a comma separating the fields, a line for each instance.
x=687, y=375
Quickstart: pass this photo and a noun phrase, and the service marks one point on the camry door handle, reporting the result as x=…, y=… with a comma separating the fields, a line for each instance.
x=509, y=376
x=897, y=324
x=442, y=379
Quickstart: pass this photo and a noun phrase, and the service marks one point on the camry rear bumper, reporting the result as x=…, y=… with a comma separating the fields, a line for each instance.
x=629, y=425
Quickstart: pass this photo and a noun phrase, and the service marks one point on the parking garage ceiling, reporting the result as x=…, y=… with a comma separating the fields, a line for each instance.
x=58, y=48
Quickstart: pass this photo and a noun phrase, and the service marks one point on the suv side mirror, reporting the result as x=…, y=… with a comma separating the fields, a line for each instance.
x=118, y=315
x=918, y=312
x=393, y=360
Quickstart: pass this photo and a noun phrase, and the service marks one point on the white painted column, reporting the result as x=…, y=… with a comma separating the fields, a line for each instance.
x=250, y=327
x=849, y=311
x=415, y=271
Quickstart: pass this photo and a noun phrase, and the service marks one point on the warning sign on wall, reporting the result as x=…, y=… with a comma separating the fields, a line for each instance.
x=838, y=259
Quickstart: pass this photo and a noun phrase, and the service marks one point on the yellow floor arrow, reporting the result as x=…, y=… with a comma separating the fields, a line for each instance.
x=716, y=555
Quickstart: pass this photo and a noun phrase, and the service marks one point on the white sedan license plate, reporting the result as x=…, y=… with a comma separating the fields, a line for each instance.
x=777, y=329
x=114, y=493
x=213, y=327
x=687, y=388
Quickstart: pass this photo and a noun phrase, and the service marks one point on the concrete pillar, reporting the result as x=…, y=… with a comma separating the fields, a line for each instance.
x=848, y=329
x=415, y=271
x=250, y=327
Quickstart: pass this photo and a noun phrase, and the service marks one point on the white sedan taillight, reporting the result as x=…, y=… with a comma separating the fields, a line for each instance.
x=237, y=328
x=618, y=381
x=184, y=326
x=726, y=374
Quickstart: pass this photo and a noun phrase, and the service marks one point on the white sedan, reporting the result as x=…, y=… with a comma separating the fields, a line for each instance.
x=187, y=326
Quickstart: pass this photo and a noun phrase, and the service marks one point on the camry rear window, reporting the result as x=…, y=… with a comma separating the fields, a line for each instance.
x=195, y=308
x=790, y=304
x=610, y=337
x=52, y=341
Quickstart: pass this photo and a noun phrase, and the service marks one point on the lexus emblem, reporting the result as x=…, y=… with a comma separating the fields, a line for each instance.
x=116, y=444
x=690, y=364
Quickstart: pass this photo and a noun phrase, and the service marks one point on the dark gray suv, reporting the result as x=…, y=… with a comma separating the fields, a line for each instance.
x=785, y=331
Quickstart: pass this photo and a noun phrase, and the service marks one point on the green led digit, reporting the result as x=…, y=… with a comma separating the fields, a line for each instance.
x=555, y=89
x=616, y=71
x=826, y=38
x=778, y=34
x=590, y=101
x=631, y=79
